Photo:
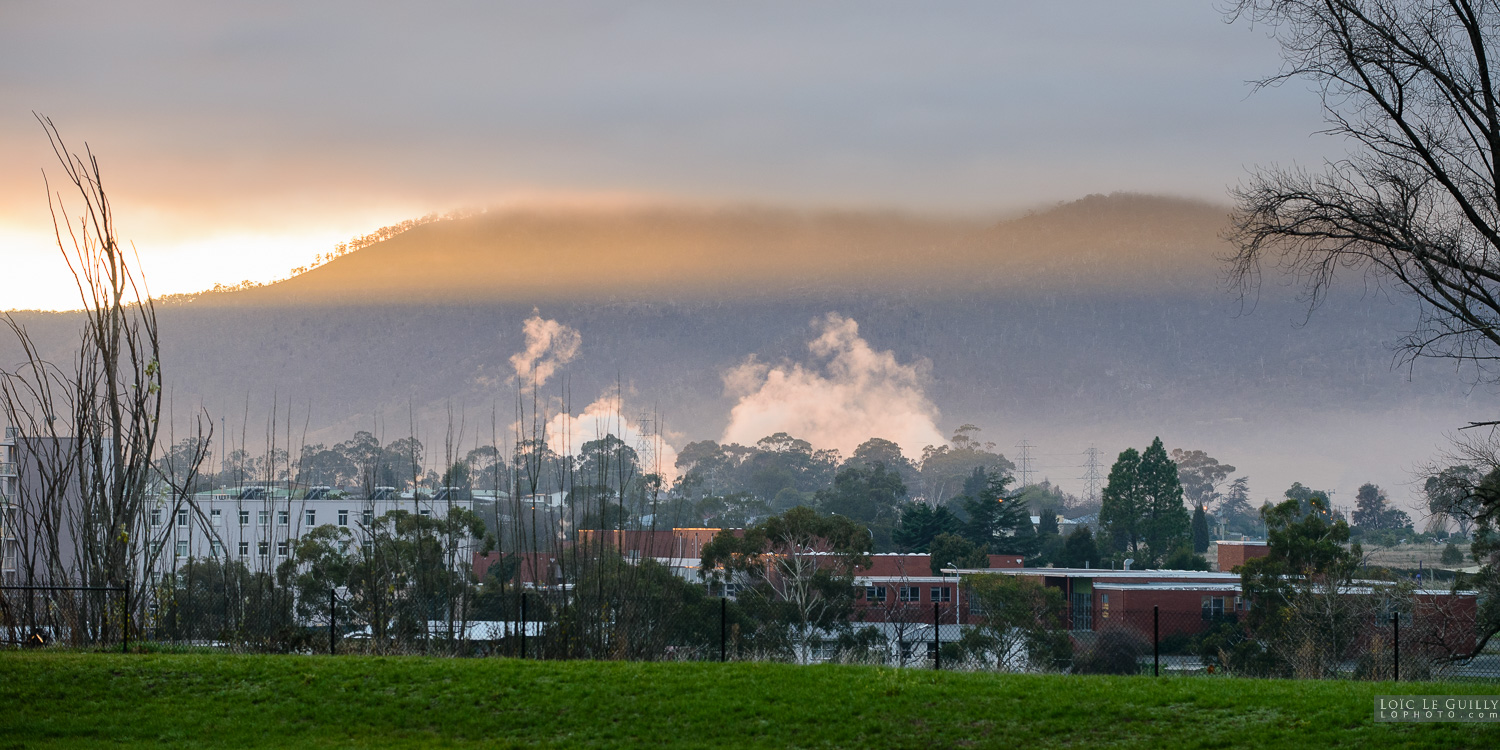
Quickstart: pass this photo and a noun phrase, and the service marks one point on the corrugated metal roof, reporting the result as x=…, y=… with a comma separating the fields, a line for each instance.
x=1166, y=587
x=1099, y=573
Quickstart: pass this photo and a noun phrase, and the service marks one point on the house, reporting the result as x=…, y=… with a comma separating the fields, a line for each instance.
x=1066, y=526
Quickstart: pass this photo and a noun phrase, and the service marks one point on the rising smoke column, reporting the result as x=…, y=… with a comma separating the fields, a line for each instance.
x=549, y=345
x=859, y=393
x=605, y=417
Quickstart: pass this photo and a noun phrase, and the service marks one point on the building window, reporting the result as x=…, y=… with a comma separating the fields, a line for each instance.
x=182, y=549
x=216, y=517
x=281, y=548
x=1213, y=607
x=825, y=650
x=909, y=594
x=369, y=518
x=1083, y=610
x=424, y=512
x=244, y=549
x=875, y=593
x=216, y=547
x=368, y=548
x=343, y=518
x=311, y=517
x=942, y=594
x=263, y=517
x=244, y=518
x=283, y=518
x=264, y=548
x=155, y=516
x=182, y=518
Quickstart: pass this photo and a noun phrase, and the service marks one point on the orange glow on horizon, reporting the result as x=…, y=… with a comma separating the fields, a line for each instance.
x=182, y=252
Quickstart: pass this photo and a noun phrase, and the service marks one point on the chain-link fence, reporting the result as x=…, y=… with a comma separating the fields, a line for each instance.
x=65, y=616
x=1400, y=647
x=620, y=613
x=1368, y=643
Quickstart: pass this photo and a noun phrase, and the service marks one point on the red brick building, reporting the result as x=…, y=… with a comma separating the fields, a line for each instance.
x=902, y=588
x=1097, y=598
x=635, y=544
x=538, y=569
x=1190, y=602
x=1231, y=555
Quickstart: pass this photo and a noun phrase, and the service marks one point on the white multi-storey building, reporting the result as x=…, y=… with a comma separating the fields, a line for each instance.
x=255, y=524
x=9, y=513
x=259, y=525
x=40, y=505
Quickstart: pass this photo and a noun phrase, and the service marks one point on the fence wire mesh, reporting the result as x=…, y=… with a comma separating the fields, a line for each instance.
x=63, y=616
x=619, y=613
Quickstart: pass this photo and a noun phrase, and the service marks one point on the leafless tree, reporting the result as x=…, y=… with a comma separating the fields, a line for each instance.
x=43, y=461
x=1416, y=203
x=96, y=425
x=1410, y=84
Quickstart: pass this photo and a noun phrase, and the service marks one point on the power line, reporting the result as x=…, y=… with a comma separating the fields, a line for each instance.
x=646, y=453
x=1025, y=447
x=1091, y=473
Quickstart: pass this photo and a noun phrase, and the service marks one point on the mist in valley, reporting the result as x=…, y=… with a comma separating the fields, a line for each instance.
x=1100, y=323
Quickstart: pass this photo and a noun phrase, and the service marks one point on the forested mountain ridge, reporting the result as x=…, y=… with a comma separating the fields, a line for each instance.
x=697, y=254
x=1100, y=321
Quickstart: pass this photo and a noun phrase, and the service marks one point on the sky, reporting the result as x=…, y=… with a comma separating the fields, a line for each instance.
x=240, y=140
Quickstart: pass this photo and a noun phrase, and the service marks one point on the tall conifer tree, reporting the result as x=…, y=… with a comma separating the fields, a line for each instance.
x=1200, y=530
x=1166, y=521
x=1142, y=508
x=1121, y=510
x=1000, y=523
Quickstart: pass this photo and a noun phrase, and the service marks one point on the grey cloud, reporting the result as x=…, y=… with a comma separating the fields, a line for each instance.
x=959, y=105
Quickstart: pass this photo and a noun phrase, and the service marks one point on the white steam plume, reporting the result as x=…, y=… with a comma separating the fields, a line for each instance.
x=549, y=345
x=859, y=394
x=604, y=417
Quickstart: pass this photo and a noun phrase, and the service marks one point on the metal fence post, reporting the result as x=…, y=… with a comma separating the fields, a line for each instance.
x=523, y=624
x=1396, y=640
x=125, y=632
x=723, y=624
x=937, y=639
x=1155, y=640
x=333, y=616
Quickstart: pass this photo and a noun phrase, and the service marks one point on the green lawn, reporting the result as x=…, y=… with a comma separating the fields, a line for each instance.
x=78, y=700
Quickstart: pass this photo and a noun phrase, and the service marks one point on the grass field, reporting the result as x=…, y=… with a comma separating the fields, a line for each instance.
x=92, y=700
x=1407, y=556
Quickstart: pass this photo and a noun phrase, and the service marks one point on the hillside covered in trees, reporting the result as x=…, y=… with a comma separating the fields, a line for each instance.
x=1101, y=321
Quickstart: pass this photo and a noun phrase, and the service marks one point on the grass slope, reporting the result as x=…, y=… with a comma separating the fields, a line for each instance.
x=90, y=700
